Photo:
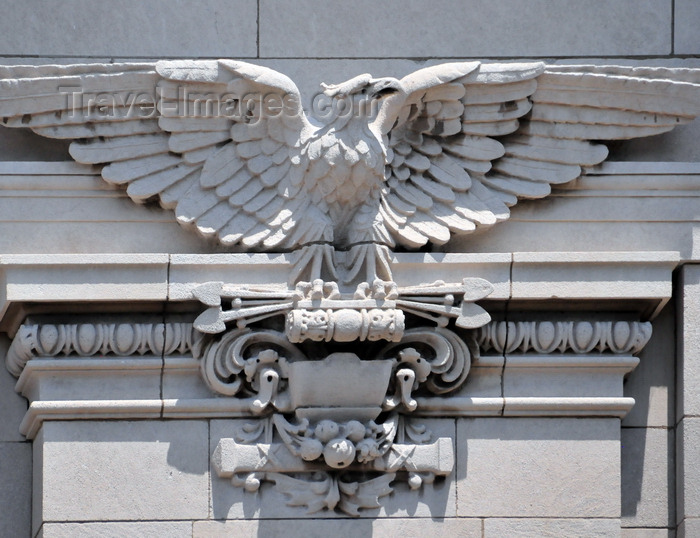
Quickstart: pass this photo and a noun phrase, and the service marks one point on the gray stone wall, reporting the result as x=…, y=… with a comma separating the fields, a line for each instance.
x=313, y=41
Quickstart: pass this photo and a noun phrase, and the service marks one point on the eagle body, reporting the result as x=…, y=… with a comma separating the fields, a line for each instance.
x=345, y=173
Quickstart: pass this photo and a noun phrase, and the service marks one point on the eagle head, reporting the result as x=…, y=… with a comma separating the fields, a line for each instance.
x=372, y=99
x=363, y=85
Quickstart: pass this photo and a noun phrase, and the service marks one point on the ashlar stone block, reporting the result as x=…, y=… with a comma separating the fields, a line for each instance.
x=550, y=528
x=647, y=533
x=688, y=528
x=648, y=477
x=686, y=17
x=687, y=464
x=121, y=470
x=15, y=488
x=507, y=468
x=688, y=370
x=315, y=528
x=128, y=28
x=515, y=28
x=142, y=529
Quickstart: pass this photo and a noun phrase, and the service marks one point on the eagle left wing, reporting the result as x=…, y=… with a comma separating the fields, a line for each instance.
x=465, y=149
x=214, y=140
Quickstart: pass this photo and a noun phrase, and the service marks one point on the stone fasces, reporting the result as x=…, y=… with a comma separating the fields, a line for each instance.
x=515, y=28
x=121, y=470
x=532, y=454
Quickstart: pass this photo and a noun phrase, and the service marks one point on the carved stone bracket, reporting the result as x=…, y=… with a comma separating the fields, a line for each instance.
x=337, y=413
x=263, y=366
x=252, y=456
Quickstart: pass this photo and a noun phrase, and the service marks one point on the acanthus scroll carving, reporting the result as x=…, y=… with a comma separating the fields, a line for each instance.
x=265, y=367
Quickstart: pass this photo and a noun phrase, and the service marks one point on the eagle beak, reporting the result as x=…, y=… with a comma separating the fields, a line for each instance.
x=383, y=87
x=348, y=87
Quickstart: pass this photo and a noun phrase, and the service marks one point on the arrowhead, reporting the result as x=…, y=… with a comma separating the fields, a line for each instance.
x=476, y=288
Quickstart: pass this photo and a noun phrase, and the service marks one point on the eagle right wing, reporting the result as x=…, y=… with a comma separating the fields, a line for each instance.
x=467, y=148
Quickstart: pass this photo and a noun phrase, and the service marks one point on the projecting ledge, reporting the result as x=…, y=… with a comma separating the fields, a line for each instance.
x=634, y=281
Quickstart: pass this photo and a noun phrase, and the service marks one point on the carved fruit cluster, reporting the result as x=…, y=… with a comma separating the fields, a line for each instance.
x=340, y=444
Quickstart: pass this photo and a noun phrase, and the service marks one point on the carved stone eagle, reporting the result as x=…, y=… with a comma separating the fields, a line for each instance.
x=445, y=150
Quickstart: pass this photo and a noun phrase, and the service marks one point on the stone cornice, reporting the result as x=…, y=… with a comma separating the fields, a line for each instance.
x=146, y=370
x=54, y=283
x=530, y=344
x=605, y=400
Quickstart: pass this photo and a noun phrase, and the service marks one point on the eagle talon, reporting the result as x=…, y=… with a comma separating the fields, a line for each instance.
x=374, y=259
x=380, y=290
x=313, y=263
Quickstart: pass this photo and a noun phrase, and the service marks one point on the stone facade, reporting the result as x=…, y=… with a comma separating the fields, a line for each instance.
x=551, y=391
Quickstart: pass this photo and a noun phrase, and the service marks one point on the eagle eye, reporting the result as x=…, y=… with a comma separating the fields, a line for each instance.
x=385, y=91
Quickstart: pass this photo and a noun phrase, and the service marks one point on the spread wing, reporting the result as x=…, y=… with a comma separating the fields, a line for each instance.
x=213, y=140
x=466, y=149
